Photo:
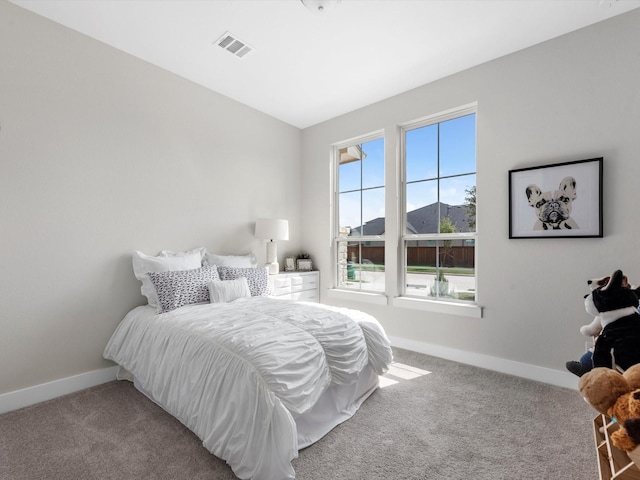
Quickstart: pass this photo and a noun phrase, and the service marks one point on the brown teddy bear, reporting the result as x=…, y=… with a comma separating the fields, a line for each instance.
x=616, y=395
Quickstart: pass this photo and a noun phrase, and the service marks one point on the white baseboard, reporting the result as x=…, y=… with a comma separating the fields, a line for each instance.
x=46, y=391
x=524, y=370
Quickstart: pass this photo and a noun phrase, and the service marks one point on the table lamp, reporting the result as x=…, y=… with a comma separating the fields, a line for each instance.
x=272, y=229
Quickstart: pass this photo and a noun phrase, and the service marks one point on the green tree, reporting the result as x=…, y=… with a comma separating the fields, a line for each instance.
x=446, y=253
x=440, y=287
x=470, y=203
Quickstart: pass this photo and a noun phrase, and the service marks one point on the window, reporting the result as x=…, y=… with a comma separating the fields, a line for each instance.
x=359, y=206
x=438, y=208
x=422, y=253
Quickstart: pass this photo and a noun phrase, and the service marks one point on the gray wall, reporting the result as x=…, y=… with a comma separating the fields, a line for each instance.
x=102, y=154
x=572, y=98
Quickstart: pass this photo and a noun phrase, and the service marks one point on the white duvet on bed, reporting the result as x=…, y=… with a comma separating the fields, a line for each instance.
x=238, y=373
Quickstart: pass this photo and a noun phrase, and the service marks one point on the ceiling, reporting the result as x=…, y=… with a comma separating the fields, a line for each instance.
x=307, y=67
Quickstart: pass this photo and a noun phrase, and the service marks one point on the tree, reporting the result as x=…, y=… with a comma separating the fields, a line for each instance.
x=446, y=226
x=470, y=203
x=440, y=287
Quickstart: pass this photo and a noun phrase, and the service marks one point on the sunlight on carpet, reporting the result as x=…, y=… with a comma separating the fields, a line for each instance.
x=398, y=372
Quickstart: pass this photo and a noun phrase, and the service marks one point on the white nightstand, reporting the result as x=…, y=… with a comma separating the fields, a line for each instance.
x=296, y=286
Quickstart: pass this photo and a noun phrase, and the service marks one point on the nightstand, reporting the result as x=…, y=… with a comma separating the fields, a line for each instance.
x=296, y=285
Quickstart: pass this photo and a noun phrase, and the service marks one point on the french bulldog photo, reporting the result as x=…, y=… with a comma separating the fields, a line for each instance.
x=553, y=208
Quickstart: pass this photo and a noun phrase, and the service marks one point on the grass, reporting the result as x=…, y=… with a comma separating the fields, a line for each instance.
x=469, y=296
x=445, y=271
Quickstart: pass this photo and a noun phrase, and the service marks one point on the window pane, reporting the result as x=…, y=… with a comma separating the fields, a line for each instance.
x=421, y=150
x=458, y=146
x=453, y=195
x=443, y=269
x=422, y=207
x=350, y=214
x=373, y=211
x=373, y=163
x=363, y=268
x=349, y=176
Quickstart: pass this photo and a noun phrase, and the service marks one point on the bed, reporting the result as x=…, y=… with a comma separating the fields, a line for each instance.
x=256, y=378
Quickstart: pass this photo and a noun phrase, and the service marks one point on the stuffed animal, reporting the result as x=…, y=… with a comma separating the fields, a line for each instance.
x=632, y=428
x=599, y=322
x=612, y=299
x=616, y=307
x=601, y=282
x=616, y=395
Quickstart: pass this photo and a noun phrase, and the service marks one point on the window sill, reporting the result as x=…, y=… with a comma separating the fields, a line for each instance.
x=365, y=297
x=463, y=310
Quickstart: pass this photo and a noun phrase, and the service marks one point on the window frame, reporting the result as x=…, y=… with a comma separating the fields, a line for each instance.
x=395, y=204
x=469, y=308
x=335, y=208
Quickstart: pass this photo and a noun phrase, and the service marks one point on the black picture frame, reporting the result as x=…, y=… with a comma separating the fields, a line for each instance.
x=558, y=200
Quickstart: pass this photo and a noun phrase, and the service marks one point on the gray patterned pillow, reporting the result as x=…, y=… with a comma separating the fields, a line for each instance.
x=257, y=278
x=183, y=287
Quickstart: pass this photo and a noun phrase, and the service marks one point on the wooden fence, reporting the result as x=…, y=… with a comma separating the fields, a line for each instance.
x=454, y=256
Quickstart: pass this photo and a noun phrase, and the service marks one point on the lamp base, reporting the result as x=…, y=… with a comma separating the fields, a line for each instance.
x=272, y=258
x=274, y=268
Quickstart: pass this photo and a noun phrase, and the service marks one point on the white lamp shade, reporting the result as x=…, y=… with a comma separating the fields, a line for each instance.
x=272, y=229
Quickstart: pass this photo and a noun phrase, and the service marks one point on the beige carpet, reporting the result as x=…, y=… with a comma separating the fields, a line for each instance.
x=455, y=422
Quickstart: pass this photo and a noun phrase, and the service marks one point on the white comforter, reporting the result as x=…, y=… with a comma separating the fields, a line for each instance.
x=235, y=373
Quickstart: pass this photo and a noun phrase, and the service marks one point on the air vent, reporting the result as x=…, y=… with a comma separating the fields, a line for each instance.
x=231, y=44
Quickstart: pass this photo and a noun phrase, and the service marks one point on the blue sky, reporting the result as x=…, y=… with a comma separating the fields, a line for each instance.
x=453, y=140
x=370, y=174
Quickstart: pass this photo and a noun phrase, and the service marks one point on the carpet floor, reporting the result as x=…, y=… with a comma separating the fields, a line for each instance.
x=433, y=419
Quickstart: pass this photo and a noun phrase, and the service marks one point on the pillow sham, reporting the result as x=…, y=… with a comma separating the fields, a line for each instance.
x=166, y=261
x=225, y=291
x=170, y=253
x=182, y=287
x=257, y=278
x=240, y=261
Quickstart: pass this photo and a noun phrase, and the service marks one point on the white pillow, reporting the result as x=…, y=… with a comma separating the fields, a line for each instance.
x=225, y=291
x=168, y=253
x=166, y=261
x=239, y=261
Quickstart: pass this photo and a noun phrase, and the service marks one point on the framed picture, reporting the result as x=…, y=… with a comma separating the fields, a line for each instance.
x=558, y=200
x=304, y=265
x=290, y=264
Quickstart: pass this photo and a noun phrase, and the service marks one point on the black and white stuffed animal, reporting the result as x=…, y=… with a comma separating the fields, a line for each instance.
x=615, y=305
x=598, y=323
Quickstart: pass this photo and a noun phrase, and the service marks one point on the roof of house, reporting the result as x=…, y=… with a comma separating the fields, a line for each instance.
x=423, y=220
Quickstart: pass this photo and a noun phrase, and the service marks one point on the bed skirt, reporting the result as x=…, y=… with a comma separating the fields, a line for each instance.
x=336, y=405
